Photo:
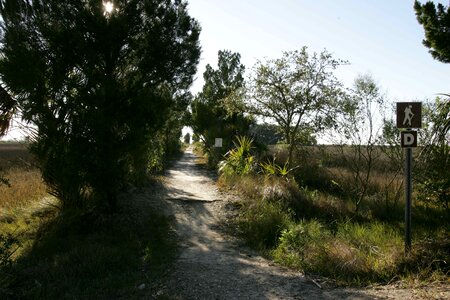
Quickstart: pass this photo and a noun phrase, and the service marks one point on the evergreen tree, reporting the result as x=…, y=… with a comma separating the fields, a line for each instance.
x=436, y=23
x=97, y=83
x=217, y=109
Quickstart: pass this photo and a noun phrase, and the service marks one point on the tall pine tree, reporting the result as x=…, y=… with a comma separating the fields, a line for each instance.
x=97, y=79
x=435, y=20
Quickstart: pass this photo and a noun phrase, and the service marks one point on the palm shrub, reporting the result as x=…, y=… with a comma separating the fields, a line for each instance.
x=239, y=160
x=271, y=168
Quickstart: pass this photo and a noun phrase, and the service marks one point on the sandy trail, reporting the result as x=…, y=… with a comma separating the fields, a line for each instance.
x=212, y=265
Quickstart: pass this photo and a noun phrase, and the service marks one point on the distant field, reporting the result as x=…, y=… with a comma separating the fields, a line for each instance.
x=15, y=155
x=333, y=156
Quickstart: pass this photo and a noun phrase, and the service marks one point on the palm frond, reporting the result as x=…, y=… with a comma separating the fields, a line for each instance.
x=7, y=109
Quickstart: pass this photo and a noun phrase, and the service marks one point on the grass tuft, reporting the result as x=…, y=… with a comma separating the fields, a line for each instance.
x=262, y=223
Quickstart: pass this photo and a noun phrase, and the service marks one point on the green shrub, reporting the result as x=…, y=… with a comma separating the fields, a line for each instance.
x=262, y=222
x=356, y=253
x=433, y=176
x=302, y=245
x=238, y=160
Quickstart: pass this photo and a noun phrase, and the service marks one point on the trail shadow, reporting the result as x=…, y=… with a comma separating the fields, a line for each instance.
x=211, y=266
x=87, y=255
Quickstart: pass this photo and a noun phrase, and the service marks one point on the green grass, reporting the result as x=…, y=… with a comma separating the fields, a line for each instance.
x=263, y=223
x=83, y=255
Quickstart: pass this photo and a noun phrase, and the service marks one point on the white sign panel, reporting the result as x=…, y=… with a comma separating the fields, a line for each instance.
x=218, y=142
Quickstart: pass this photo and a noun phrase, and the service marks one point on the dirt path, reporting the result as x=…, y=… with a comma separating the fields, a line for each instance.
x=214, y=266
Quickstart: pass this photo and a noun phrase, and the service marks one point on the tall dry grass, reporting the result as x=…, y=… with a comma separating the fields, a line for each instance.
x=24, y=178
x=313, y=226
x=26, y=187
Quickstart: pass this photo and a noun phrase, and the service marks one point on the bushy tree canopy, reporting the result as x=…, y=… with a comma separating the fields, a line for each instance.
x=97, y=84
x=435, y=20
x=217, y=109
x=298, y=91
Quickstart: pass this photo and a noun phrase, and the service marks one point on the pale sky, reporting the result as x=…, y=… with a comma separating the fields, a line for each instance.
x=381, y=38
x=378, y=37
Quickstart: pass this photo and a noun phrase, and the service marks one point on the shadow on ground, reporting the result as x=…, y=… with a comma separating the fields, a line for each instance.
x=213, y=266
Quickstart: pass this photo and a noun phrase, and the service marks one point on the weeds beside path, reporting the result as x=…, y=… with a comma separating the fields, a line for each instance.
x=212, y=265
x=126, y=255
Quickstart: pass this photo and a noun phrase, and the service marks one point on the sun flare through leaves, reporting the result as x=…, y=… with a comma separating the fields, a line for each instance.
x=108, y=7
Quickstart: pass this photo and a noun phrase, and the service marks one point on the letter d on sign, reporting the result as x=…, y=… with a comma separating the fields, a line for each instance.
x=408, y=139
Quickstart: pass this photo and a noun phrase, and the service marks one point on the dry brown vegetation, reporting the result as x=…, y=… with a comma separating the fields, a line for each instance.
x=26, y=186
x=309, y=220
x=25, y=182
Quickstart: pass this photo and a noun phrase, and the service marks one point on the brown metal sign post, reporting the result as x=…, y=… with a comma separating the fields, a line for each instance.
x=409, y=115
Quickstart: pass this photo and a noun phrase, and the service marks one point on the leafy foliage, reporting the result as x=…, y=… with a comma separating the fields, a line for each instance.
x=271, y=168
x=8, y=245
x=298, y=91
x=217, y=109
x=433, y=176
x=434, y=159
x=435, y=20
x=97, y=86
x=239, y=160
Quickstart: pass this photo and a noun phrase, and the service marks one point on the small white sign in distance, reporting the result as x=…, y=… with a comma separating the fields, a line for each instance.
x=218, y=142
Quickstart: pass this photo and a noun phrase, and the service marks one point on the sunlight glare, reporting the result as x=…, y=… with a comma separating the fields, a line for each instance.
x=109, y=7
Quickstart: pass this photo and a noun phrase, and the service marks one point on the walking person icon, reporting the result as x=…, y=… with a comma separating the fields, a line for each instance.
x=408, y=115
